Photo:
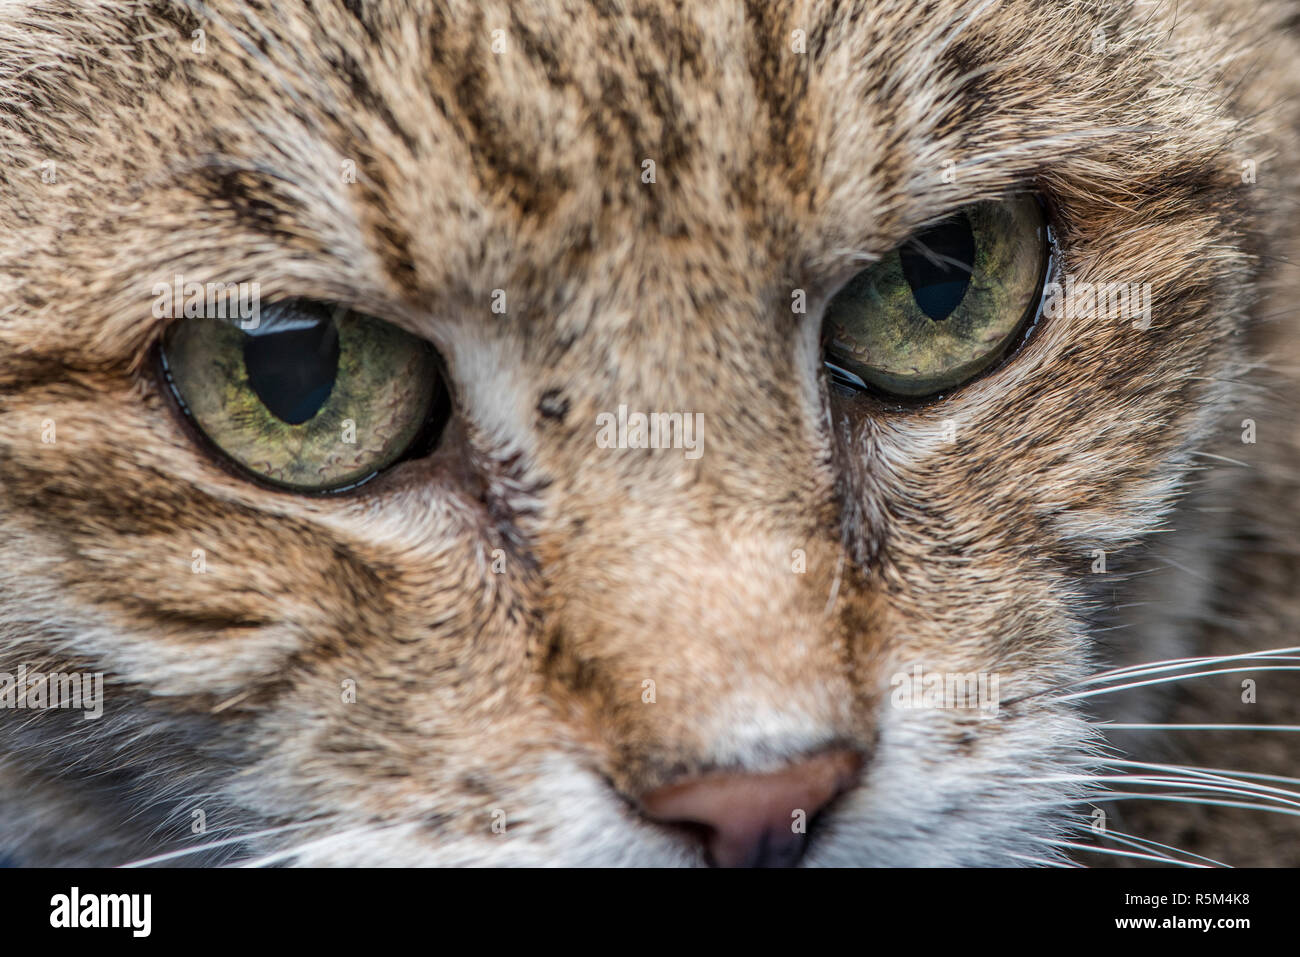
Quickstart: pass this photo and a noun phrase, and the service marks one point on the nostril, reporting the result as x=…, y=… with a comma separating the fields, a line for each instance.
x=754, y=820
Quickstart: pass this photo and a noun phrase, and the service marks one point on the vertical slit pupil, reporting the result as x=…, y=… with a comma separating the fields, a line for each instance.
x=293, y=371
x=937, y=264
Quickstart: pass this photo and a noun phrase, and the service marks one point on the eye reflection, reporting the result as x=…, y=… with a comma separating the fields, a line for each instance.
x=937, y=264
x=293, y=369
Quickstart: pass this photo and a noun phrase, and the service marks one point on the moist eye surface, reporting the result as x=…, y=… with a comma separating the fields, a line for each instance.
x=937, y=266
x=293, y=371
x=944, y=305
x=315, y=398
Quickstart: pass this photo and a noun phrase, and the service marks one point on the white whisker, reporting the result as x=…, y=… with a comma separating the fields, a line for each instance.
x=1255, y=790
x=1129, y=672
x=1168, y=678
x=184, y=852
x=1230, y=774
x=1172, y=798
x=1143, y=841
x=276, y=857
x=1197, y=727
x=1046, y=862
x=1119, y=853
x=1173, y=664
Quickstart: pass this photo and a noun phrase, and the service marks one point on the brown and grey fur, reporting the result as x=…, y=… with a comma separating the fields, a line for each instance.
x=775, y=170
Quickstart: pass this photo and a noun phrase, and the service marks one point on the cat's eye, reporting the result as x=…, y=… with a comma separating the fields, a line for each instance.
x=945, y=305
x=313, y=398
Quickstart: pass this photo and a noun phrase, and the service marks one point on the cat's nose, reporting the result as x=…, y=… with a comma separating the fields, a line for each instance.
x=756, y=820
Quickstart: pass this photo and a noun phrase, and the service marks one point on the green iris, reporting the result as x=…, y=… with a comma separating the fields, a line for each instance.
x=314, y=398
x=943, y=306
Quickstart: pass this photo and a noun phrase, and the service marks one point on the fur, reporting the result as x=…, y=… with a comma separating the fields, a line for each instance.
x=775, y=170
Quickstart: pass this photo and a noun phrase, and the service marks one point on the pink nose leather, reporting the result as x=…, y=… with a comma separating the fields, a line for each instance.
x=750, y=820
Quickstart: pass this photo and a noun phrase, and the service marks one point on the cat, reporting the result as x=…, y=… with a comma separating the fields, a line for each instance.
x=363, y=577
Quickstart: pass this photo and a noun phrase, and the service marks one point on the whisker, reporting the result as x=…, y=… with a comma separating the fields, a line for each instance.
x=1183, y=568
x=290, y=852
x=1173, y=664
x=1140, y=841
x=1046, y=862
x=1120, y=853
x=1256, y=790
x=1194, y=770
x=1157, y=667
x=1169, y=678
x=1105, y=796
x=1221, y=458
x=1197, y=727
x=1122, y=840
x=184, y=852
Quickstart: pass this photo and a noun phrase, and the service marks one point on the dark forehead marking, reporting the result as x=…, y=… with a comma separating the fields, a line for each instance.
x=361, y=13
x=635, y=96
x=255, y=198
x=534, y=43
x=505, y=161
x=354, y=72
x=642, y=88
x=392, y=241
x=780, y=83
x=632, y=95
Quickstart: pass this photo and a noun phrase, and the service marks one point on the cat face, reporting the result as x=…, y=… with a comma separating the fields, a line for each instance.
x=521, y=645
